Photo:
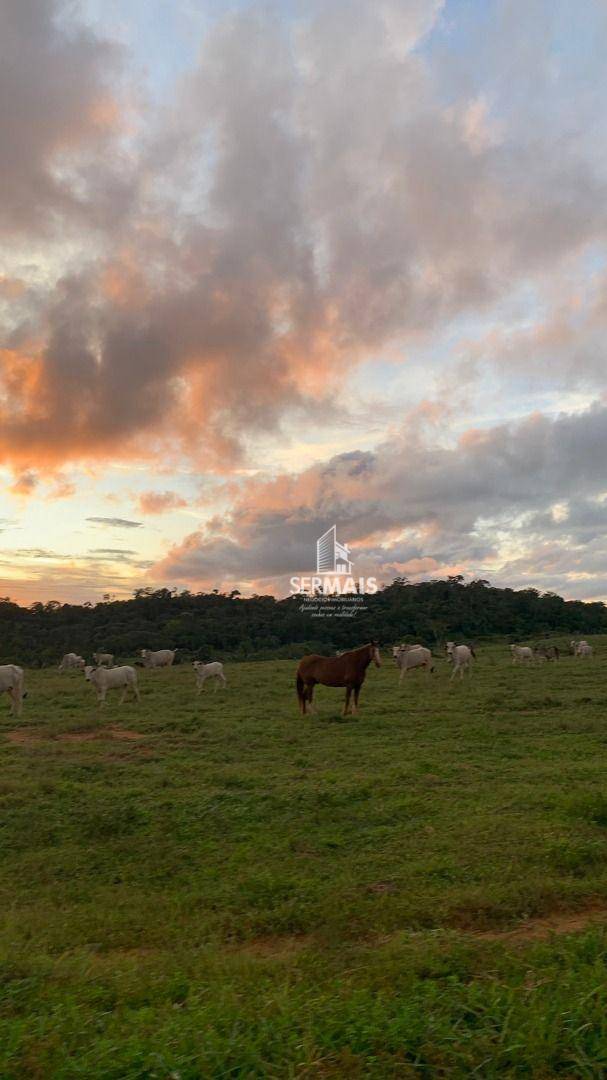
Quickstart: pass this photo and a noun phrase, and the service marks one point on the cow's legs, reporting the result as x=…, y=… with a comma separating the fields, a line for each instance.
x=123, y=695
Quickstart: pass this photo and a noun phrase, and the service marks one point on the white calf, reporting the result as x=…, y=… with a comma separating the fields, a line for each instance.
x=160, y=658
x=103, y=659
x=583, y=649
x=461, y=656
x=213, y=670
x=411, y=657
x=104, y=679
x=11, y=683
x=71, y=661
x=521, y=653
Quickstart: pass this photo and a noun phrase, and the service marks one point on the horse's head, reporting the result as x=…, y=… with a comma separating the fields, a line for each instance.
x=374, y=653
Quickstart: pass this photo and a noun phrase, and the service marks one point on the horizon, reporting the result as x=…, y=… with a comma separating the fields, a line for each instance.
x=266, y=268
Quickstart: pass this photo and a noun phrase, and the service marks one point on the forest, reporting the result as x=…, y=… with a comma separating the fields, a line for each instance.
x=229, y=626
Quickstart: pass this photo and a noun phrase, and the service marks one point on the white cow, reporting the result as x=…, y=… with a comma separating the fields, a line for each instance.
x=575, y=645
x=72, y=662
x=583, y=649
x=416, y=656
x=460, y=655
x=104, y=679
x=397, y=650
x=103, y=659
x=214, y=670
x=160, y=658
x=521, y=653
x=11, y=683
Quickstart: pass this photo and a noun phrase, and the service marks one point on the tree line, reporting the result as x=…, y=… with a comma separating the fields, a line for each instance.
x=228, y=626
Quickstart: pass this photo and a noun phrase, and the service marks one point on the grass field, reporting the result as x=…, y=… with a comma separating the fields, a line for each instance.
x=217, y=887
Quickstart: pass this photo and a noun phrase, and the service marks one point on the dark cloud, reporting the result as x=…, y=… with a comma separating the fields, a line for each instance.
x=115, y=522
x=56, y=79
x=411, y=503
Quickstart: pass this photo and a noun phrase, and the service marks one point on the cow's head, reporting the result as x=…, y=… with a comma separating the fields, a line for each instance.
x=88, y=671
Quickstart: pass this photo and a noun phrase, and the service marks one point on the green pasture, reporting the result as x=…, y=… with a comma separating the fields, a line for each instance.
x=218, y=887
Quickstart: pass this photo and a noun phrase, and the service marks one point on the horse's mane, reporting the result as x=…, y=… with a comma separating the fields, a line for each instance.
x=361, y=648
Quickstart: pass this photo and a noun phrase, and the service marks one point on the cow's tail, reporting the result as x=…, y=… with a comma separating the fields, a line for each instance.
x=472, y=651
x=556, y=653
x=301, y=697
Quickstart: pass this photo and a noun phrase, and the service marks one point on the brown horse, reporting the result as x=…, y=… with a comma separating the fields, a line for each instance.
x=347, y=670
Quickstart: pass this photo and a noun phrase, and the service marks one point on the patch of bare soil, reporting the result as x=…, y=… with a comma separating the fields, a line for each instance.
x=274, y=947
x=24, y=737
x=538, y=929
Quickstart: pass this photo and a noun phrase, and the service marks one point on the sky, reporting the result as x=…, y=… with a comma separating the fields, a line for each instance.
x=266, y=268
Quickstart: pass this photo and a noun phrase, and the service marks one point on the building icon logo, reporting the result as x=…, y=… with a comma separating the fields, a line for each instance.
x=331, y=556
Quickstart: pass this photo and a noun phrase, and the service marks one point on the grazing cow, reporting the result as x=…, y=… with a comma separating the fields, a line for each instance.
x=521, y=653
x=460, y=655
x=408, y=658
x=546, y=652
x=214, y=670
x=348, y=670
x=160, y=658
x=103, y=659
x=583, y=649
x=72, y=662
x=575, y=645
x=11, y=683
x=396, y=651
x=104, y=679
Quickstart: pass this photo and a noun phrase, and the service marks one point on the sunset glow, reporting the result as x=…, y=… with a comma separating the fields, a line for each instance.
x=266, y=268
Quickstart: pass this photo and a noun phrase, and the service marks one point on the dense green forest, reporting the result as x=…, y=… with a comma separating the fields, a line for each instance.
x=229, y=626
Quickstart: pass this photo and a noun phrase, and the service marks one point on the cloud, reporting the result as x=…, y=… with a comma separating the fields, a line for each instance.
x=112, y=551
x=294, y=209
x=58, y=76
x=158, y=502
x=417, y=508
x=115, y=522
x=24, y=485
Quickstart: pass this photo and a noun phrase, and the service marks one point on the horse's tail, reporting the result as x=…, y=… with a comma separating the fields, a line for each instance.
x=300, y=686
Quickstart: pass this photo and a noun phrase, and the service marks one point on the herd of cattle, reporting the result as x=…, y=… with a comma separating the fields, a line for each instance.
x=407, y=657
x=104, y=676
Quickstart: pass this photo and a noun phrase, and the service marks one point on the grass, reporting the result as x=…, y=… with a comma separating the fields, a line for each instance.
x=217, y=887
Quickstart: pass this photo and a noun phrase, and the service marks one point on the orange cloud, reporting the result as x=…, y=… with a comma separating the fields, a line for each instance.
x=158, y=502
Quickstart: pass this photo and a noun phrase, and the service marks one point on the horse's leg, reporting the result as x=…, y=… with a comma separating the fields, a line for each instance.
x=310, y=697
x=356, y=693
x=347, y=701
